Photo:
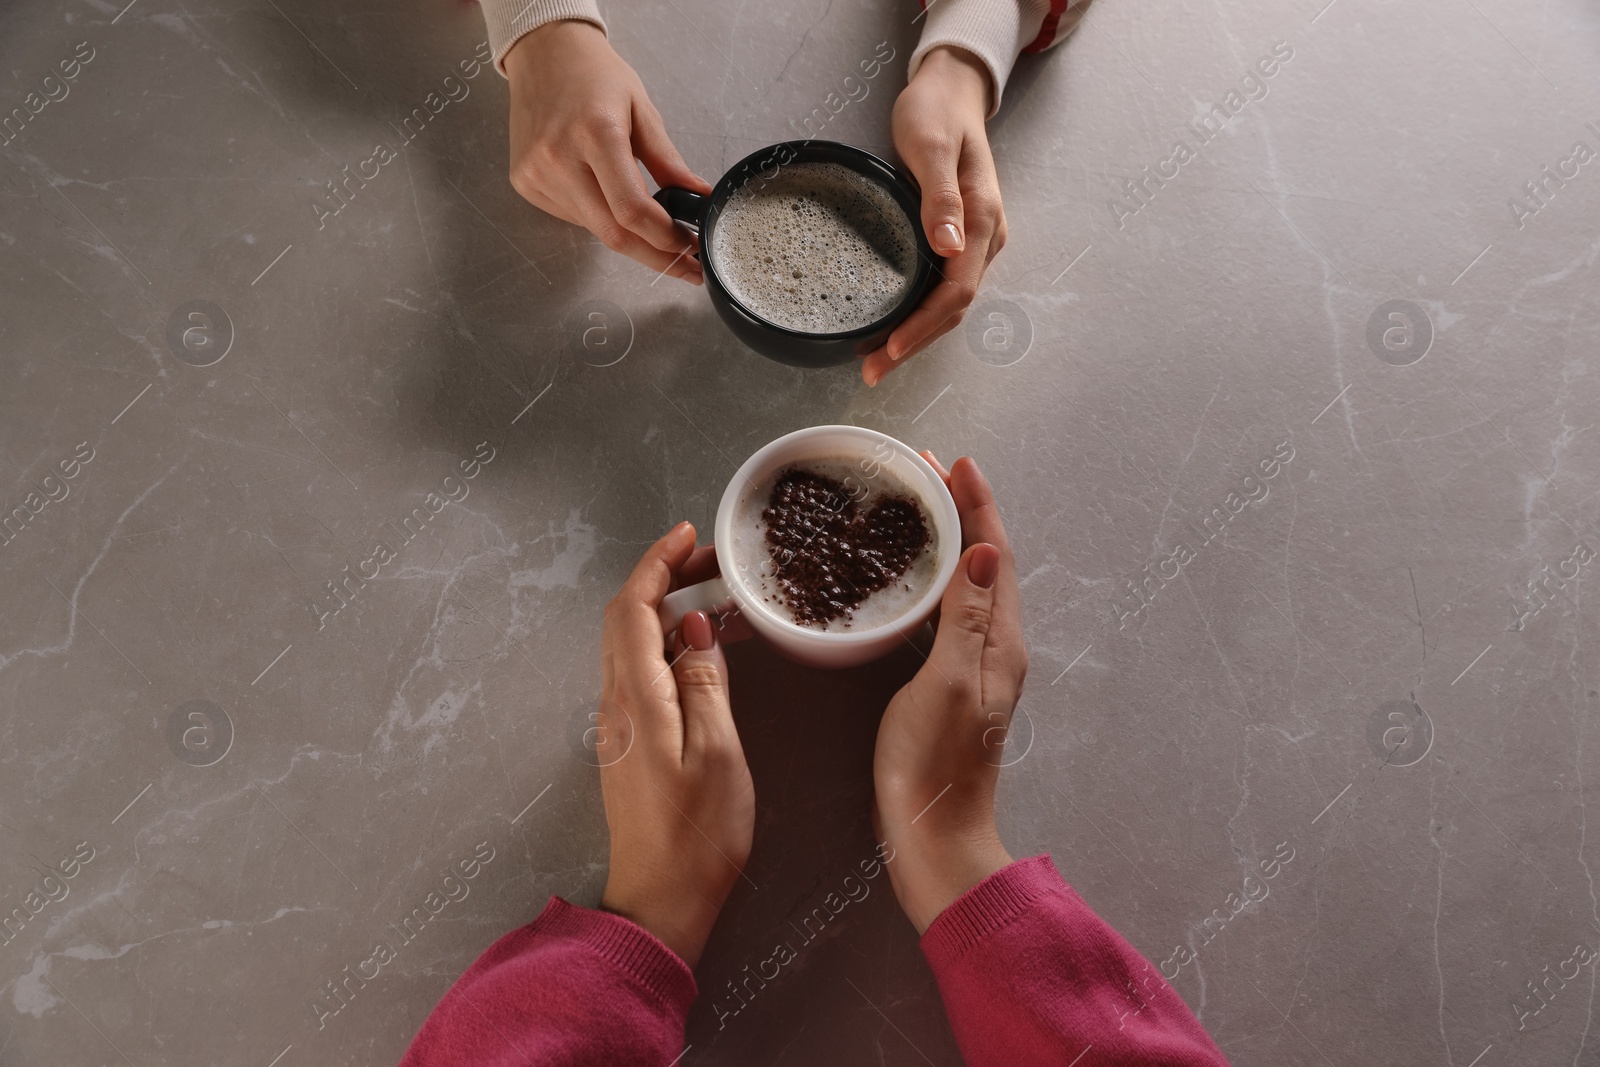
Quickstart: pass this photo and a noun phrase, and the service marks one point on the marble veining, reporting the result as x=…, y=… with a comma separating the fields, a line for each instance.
x=1285, y=381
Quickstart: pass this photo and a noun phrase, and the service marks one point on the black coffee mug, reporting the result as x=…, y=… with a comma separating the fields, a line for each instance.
x=795, y=347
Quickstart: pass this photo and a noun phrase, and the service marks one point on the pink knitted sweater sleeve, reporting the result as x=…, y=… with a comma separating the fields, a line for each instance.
x=1030, y=974
x=573, y=988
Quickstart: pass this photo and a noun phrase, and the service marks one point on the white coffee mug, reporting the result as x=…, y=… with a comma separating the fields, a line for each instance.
x=871, y=452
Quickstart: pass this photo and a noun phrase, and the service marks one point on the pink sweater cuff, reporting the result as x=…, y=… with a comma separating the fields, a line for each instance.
x=624, y=944
x=989, y=906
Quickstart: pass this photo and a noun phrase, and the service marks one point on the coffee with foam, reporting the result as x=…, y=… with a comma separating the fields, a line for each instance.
x=824, y=546
x=818, y=248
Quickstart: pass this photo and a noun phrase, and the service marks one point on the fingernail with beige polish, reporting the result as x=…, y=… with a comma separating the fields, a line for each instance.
x=696, y=631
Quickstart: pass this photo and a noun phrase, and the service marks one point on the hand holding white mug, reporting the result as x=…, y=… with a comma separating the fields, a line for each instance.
x=934, y=769
x=678, y=796
x=579, y=118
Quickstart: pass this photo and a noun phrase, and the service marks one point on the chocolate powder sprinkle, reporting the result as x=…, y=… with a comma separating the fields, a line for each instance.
x=828, y=555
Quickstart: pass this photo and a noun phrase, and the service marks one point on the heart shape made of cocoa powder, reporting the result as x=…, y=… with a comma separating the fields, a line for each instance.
x=828, y=554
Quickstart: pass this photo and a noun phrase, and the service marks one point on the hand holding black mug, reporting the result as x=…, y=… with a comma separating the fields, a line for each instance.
x=580, y=117
x=940, y=134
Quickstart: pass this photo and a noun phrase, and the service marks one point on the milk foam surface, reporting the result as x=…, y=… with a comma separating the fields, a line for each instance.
x=817, y=249
x=754, y=562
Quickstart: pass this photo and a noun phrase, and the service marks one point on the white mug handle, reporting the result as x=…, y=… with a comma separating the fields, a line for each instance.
x=712, y=597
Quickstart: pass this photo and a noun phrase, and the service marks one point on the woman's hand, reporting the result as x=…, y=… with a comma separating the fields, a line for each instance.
x=940, y=135
x=678, y=796
x=579, y=117
x=939, y=745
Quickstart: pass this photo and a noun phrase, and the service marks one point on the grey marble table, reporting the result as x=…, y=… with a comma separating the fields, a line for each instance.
x=1294, y=428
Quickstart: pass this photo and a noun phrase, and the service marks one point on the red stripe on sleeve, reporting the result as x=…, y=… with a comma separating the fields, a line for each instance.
x=1047, y=30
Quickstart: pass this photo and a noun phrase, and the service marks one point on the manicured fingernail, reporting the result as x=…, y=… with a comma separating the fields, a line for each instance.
x=696, y=630
x=946, y=239
x=983, y=565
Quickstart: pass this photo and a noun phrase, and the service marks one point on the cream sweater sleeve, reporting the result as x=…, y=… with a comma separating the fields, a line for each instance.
x=510, y=19
x=996, y=31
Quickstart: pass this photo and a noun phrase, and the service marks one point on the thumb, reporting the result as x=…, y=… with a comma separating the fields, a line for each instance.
x=701, y=672
x=965, y=614
x=943, y=215
x=658, y=154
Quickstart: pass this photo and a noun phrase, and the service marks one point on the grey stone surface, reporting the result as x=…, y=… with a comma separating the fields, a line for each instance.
x=1343, y=672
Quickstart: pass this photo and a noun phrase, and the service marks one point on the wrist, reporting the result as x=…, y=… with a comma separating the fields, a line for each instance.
x=932, y=870
x=683, y=925
x=551, y=38
x=961, y=71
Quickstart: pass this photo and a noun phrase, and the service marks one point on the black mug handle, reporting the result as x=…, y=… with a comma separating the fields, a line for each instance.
x=684, y=206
